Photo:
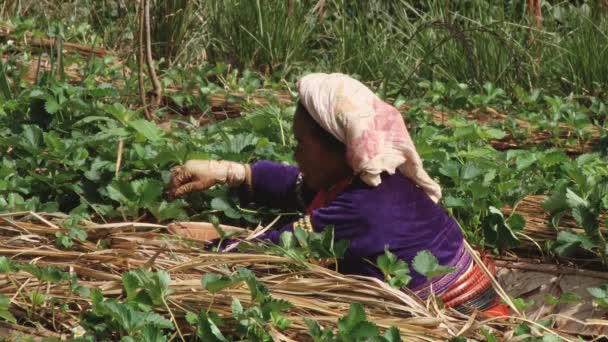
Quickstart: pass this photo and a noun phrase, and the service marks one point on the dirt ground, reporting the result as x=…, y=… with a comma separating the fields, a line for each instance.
x=535, y=285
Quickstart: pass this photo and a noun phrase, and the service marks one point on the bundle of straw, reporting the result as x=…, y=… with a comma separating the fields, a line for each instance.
x=317, y=293
x=538, y=229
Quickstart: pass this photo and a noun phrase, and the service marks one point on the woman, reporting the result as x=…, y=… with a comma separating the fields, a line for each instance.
x=358, y=171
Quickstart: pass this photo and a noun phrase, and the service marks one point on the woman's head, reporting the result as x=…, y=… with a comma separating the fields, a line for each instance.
x=374, y=133
x=320, y=156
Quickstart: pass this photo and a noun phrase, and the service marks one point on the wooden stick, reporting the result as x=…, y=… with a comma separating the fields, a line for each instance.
x=5, y=32
x=121, y=145
x=140, y=63
x=156, y=86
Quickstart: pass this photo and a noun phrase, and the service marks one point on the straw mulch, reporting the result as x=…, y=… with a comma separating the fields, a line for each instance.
x=316, y=292
x=538, y=230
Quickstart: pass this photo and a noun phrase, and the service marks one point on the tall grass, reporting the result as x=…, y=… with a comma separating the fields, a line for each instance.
x=271, y=35
x=583, y=67
x=392, y=43
x=179, y=32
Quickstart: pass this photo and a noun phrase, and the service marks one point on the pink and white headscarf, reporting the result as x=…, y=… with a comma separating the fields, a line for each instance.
x=373, y=131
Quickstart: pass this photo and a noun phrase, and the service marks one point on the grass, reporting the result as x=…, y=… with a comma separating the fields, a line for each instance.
x=391, y=43
x=270, y=35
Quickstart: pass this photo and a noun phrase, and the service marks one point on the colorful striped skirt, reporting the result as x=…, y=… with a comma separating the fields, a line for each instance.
x=468, y=288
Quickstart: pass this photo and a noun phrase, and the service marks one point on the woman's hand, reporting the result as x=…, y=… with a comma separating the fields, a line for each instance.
x=198, y=175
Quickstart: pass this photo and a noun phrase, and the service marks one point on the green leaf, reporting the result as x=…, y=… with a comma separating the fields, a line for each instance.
x=392, y=335
x=154, y=284
x=564, y=298
x=454, y=202
x=598, y=292
x=470, y=171
x=521, y=304
x=237, y=308
x=551, y=338
x=169, y=210
x=525, y=160
x=556, y=202
x=451, y=169
x=130, y=283
x=191, y=318
x=567, y=242
x=121, y=192
x=6, y=265
x=302, y=236
x=575, y=200
x=287, y=240
x=148, y=191
x=355, y=316
x=498, y=231
x=207, y=330
x=516, y=222
x=364, y=330
x=570, y=298
x=221, y=204
x=31, y=137
x=314, y=329
x=152, y=334
x=36, y=298
x=395, y=271
x=426, y=264
x=147, y=129
x=279, y=321
x=551, y=300
x=215, y=282
x=522, y=329
x=5, y=313
x=51, y=106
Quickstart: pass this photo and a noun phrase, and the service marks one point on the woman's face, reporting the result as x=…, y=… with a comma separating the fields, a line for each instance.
x=321, y=165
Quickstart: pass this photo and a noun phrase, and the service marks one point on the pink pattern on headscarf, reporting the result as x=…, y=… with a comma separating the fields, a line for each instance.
x=364, y=147
x=388, y=119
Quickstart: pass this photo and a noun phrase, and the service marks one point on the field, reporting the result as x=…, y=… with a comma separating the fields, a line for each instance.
x=507, y=106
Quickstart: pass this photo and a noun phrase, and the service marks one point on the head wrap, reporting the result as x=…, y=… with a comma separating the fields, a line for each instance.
x=373, y=131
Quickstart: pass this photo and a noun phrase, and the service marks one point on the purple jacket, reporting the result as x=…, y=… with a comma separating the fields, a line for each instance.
x=395, y=213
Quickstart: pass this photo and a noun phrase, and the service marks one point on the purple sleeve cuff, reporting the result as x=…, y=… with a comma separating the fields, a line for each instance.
x=273, y=185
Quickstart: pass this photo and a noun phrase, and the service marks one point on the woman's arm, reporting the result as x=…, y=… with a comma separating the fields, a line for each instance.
x=275, y=185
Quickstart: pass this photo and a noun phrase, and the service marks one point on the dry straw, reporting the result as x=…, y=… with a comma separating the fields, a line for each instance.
x=316, y=293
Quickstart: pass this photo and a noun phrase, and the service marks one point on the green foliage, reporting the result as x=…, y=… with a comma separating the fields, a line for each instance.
x=207, y=326
x=74, y=232
x=5, y=314
x=352, y=327
x=395, y=271
x=427, y=264
x=599, y=295
x=145, y=290
x=583, y=196
x=564, y=298
x=108, y=316
x=304, y=246
x=251, y=322
x=153, y=287
x=521, y=304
